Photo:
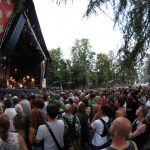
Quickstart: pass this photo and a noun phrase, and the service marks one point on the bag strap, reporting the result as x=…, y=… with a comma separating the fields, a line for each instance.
x=131, y=145
x=104, y=123
x=53, y=136
x=74, y=120
x=69, y=123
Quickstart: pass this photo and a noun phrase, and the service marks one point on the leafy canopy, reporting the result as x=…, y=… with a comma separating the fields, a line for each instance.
x=133, y=18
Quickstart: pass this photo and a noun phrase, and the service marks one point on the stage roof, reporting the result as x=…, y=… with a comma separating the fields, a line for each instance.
x=22, y=37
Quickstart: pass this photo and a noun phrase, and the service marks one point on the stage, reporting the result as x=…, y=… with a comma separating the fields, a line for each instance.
x=16, y=92
x=24, y=57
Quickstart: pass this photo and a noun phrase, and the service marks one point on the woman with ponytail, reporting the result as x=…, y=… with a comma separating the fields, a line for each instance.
x=10, y=140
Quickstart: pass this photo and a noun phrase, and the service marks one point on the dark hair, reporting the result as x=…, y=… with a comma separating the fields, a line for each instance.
x=81, y=108
x=92, y=95
x=15, y=101
x=85, y=101
x=70, y=100
x=121, y=100
x=4, y=126
x=57, y=103
x=52, y=110
x=32, y=96
x=22, y=95
x=104, y=109
x=39, y=104
x=74, y=109
x=7, y=103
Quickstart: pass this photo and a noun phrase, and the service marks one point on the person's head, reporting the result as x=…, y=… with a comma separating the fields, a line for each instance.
x=19, y=109
x=104, y=109
x=70, y=100
x=110, y=101
x=97, y=99
x=36, y=118
x=92, y=95
x=7, y=103
x=57, y=103
x=120, y=101
x=76, y=100
x=15, y=100
x=52, y=110
x=32, y=96
x=39, y=104
x=74, y=109
x=4, y=126
x=81, y=108
x=68, y=108
x=120, y=128
x=142, y=111
x=86, y=102
x=22, y=96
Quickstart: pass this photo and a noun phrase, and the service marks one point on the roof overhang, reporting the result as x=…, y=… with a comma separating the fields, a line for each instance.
x=23, y=32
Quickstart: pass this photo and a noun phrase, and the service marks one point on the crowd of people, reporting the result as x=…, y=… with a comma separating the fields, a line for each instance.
x=91, y=119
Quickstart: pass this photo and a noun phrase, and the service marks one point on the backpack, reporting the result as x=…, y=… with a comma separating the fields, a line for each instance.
x=106, y=128
x=72, y=134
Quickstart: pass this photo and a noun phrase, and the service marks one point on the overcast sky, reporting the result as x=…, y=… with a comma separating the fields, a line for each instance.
x=62, y=25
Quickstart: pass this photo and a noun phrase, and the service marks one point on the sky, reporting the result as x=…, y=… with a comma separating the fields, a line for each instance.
x=62, y=25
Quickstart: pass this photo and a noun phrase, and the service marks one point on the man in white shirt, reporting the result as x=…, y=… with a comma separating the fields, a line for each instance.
x=99, y=141
x=11, y=113
x=57, y=127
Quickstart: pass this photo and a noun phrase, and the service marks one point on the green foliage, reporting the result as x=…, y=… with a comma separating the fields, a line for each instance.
x=54, y=70
x=82, y=62
x=104, y=71
x=59, y=69
x=133, y=18
x=88, y=70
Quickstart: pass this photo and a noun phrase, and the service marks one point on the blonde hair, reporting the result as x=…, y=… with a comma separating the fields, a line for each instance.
x=97, y=99
x=1, y=108
x=19, y=109
x=144, y=110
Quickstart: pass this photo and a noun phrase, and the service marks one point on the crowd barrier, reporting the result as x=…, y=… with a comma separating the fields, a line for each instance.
x=18, y=91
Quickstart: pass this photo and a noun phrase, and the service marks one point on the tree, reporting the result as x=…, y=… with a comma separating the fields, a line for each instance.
x=103, y=67
x=82, y=62
x=54, y=73
x=133, y=18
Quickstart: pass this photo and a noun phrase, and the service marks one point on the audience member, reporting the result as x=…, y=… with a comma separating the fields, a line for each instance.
x=139, y=128
x=57, y=127
x=120, y=129
x=10, y=140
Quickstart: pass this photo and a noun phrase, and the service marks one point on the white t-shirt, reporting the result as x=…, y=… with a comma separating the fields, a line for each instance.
x=148, y=105
x=99, y=127
x=45, y=105
x=12, y=142
x=43, y=133
x=11, y=113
